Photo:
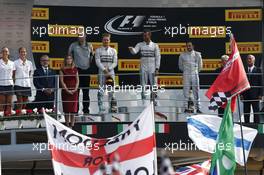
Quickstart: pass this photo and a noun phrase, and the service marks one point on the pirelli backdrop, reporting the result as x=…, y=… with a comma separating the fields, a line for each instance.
x=55, y=28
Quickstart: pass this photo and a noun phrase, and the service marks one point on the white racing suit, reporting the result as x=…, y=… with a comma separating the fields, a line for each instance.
x=190, y=63
x=150, y=61
x=106, y=58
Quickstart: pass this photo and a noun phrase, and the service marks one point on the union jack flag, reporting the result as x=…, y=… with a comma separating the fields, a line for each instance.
x=195, y=169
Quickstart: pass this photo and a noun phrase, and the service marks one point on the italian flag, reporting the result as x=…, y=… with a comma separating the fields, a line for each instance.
x=162, y=128
x=121, y=127
x=261, y=128
x=89, y=129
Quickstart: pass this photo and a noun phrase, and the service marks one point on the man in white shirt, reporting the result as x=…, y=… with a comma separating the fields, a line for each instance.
x=23, y=73
x=190, y=63
x=149, y=60
x=106, y=61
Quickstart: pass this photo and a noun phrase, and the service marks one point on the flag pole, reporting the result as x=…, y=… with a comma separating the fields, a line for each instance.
x=152, y=101
x=0, y=163
x=242, y=135
x=240, y=120
x=155, y=151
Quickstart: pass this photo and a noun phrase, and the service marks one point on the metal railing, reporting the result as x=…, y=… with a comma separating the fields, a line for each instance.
x=57, y=90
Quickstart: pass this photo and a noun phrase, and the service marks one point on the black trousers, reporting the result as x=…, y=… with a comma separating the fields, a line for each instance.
x=84, y=84
x=221, y=112
x=261, y=116
x=43, y=101
x=255, y=106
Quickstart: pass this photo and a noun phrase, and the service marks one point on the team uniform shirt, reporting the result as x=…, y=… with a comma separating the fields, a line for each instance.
x=23, y=73
x=106, y=58
x=190, y=62
x=81, y=54
x=6, y=72
x=149, y=55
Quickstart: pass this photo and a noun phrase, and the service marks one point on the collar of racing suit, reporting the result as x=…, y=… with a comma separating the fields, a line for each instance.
x=150, y=42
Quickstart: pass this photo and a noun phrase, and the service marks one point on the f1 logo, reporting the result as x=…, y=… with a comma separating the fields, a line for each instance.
x=136, y=22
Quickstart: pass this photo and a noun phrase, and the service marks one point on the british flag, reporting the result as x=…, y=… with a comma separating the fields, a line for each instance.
x=195, y=169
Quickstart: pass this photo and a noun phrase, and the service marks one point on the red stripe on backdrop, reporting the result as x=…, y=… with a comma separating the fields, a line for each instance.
x=166, y=128
x=125, y=152
x=94, y=129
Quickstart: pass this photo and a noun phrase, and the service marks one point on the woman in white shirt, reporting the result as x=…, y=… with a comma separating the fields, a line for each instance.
x=6, y=82
x=23, y=73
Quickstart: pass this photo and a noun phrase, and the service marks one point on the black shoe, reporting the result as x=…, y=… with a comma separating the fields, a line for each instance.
x=198, y=111
x=113, y=109
x=86, y=112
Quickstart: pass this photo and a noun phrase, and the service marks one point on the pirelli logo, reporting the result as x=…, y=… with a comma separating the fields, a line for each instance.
x=94, y=81
x=211, y=64
x=246, y=47
x=99, y=44
x=243, y=15
x=128, y=65
x=40, y=46
x=207, y=31
x=172, y=48
x=56, y=63
x=64, y=30
x=40, y=13
x=170, y=81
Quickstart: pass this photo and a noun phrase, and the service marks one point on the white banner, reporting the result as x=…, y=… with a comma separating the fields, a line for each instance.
x=74, y=153
x=203, y=130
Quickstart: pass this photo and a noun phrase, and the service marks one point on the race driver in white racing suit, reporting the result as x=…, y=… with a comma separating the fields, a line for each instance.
x=190, y=63
x=106, y=61
x=149, y=60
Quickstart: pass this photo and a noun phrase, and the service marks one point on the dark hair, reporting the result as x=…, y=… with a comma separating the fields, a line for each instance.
x=43, y=56
x=106, y=35
x=8, y=50
x=189, y=41
x=147, y=31
x=20, y=48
